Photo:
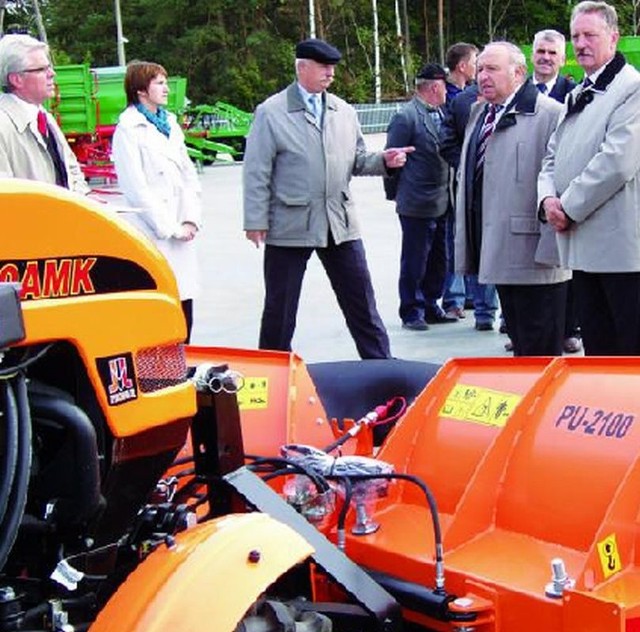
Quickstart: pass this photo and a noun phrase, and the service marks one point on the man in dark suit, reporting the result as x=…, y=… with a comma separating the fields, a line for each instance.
x=421, y=196
x=589, y=185
x=548, y=56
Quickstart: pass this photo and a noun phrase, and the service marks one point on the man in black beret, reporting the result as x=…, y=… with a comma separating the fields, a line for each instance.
x=319, y=51
x=420, y=191
x=304, y=146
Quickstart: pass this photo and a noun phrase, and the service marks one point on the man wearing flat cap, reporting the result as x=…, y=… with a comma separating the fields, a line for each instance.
x=304, y=146
x=420, y=191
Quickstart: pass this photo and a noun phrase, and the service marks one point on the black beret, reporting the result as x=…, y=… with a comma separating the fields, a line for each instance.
x=319, y=51
x=432, y=71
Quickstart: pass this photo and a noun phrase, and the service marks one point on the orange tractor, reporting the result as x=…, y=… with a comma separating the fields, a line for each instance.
x=145, y=486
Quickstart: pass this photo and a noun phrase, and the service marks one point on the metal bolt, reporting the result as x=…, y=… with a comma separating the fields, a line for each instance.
x=254, y=556
x=560, y=581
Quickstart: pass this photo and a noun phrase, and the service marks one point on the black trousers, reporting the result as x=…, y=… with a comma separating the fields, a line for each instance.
x=609, y=311
x=423, y=266
x=535, y=316
x=346, y=267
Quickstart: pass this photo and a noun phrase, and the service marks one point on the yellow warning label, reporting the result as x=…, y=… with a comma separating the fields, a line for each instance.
x=254, y=394
x=609, y=556
x=479, y=405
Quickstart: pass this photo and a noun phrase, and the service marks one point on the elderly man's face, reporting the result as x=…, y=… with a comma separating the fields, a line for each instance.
x=34, y=81
x=594, y=43
x=548, y=57
x=315, y=77
x=498, y=78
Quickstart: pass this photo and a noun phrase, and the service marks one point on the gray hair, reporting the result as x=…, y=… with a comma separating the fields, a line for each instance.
x=14, y=49
x=549, y=35
x=606, y=12
x=516, y=56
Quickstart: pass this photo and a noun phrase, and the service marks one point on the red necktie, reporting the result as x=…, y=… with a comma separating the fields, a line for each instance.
x=42, y=124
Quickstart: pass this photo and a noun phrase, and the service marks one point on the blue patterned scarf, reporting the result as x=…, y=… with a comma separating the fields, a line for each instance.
x=158, y=119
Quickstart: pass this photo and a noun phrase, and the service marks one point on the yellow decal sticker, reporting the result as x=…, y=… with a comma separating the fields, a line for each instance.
x=479, y=405
x=609, y=556
x=254, y=394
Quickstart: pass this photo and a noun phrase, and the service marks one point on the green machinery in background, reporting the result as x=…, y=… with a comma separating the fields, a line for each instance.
x=88, y=102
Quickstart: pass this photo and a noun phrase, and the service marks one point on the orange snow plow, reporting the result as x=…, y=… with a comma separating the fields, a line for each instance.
x=145, y=486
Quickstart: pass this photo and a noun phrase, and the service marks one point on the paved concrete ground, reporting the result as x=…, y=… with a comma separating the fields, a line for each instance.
x=228, y=312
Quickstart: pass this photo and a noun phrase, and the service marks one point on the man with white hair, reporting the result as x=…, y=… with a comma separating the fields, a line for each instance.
x=589, y=186
x=498, y=234
x=304, y=146
x=32, y=146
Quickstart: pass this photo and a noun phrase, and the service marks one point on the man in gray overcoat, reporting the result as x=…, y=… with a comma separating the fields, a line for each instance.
x=498, y=234
x=304, y=146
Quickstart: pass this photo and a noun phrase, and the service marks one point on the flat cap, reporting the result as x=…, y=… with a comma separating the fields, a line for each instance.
x=432, y=71
x=318, y=50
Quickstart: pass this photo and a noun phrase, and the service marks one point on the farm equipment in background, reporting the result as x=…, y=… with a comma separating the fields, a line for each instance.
x=147, y=487
x=219, y=128
x=88, y=102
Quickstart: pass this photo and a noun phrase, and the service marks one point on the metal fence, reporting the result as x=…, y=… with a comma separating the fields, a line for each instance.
x=375, y=117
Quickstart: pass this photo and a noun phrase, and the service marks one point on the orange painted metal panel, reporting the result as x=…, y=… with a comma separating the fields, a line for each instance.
x=207, y=580
x=289, y=409
x=77, y=272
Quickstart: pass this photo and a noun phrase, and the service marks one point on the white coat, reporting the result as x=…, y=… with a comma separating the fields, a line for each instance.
x=158, y=180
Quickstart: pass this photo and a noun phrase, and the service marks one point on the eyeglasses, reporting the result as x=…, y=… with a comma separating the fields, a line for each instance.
x=46, y=68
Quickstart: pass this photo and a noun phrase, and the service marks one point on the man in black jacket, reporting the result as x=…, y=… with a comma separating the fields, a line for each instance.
x=420, y=193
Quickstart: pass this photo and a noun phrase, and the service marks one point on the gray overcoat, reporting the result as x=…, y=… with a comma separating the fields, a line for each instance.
x=516, y=248
x=593, y=166
x=296, y=177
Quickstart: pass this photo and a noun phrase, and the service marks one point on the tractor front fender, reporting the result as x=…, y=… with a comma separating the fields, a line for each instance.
x=206, y=580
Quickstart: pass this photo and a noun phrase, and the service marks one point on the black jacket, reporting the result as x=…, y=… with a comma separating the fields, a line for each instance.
x=420, y=187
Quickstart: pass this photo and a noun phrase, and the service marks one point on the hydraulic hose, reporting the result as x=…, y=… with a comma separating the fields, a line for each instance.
x=9, y=461
x=17, y=387
x=433, y=508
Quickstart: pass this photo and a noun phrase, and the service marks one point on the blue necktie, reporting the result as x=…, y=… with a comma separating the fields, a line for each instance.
x=542, y=87
x=315, y=108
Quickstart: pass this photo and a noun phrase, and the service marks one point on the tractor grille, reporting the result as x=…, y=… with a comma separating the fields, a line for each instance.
x=161, y=367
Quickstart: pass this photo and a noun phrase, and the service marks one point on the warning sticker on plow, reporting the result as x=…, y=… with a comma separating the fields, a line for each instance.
x=254, y=394
x=479, y=405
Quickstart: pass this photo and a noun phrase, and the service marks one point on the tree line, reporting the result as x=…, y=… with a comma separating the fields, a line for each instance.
x=240, y=51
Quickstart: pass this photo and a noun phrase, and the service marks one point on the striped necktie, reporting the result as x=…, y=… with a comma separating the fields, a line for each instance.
x=485, y=132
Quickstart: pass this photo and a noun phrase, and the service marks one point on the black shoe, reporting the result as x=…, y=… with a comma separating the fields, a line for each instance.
x=415, y=325
x=441, y=318
x=488, y=326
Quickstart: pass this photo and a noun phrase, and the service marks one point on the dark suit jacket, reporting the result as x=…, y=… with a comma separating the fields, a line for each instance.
x=421, y=185
x=455, y=122
x=562, y=88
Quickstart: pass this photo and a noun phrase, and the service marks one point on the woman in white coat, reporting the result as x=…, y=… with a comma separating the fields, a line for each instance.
x=157, y=177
